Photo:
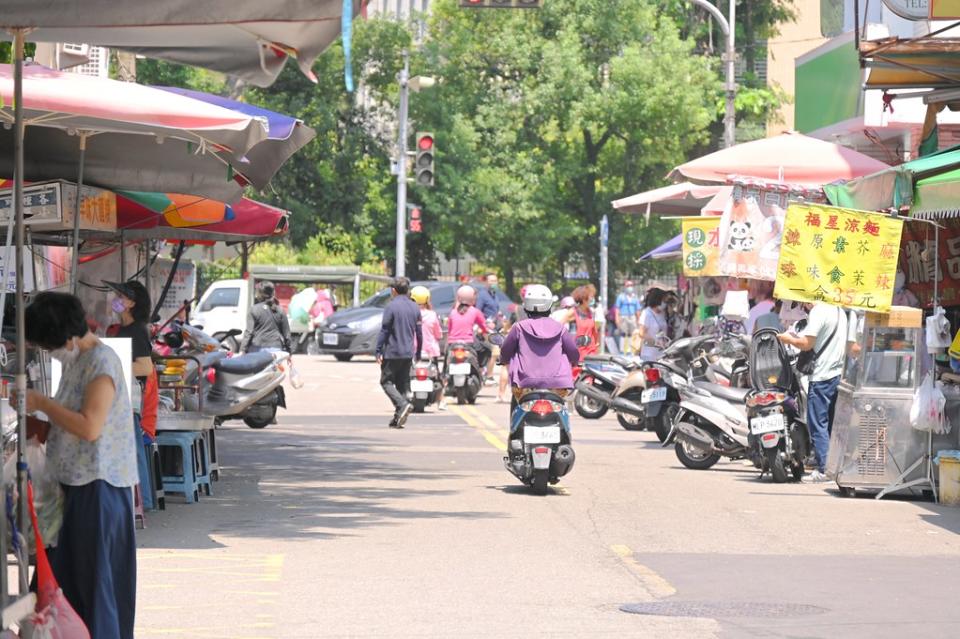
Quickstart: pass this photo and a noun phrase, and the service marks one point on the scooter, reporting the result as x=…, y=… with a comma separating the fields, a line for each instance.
x=465, y=371
x=596, y=382
x=539, y=451
x=247, y=387
x=776, y=408
x=425, y=386
x=711, y=423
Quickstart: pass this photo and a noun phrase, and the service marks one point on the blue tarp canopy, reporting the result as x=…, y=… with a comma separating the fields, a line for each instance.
x=669, y=250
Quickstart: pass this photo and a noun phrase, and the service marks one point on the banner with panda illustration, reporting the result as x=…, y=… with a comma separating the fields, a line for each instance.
x=750, y=230
x=840, y=256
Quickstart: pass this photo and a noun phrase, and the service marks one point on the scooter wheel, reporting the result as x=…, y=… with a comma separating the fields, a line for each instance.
x=693, y=458
x=540, y=480
x=419, y=405
x=629, y=422
x=461, y=395
x=775, y=463
x=589, y=408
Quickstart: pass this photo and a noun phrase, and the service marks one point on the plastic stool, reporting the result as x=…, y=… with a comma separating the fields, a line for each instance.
x=186, y=481
x=156, y=475
x=203, y=464
x=139, y=520
x=210, y=439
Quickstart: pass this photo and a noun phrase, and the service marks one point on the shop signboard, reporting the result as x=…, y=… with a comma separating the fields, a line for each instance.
x=944, y=9
x=909, y=9
x=49, y=206
x=921, y=261
x=701, y=237
x=8, y=274
x=182, y=288
x=839, y=256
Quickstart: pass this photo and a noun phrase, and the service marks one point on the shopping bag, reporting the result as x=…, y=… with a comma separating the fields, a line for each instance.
x=53, y=617
x=927, y=409
x=301, y=303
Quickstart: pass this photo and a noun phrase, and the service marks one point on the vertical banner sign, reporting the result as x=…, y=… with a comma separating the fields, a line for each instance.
x=838, y=256
x=701, y=237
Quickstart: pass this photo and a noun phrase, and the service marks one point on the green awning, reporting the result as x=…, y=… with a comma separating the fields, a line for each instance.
x=893, y=187
x=938, y=194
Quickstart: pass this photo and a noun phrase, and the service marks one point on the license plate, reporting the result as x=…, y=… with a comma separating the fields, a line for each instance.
x=462, y=368
x=767, y=424
x=330, y=339
x=421, y=385
x=541, y=434
x=653, y=395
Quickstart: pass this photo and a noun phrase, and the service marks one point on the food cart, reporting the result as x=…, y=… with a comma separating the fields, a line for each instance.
x=873, y=445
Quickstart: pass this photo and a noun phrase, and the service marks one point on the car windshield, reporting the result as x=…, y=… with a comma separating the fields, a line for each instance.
x=221, y=297
x=380, y=300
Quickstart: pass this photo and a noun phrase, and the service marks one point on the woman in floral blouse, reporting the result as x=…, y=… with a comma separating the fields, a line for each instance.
x=90, y=448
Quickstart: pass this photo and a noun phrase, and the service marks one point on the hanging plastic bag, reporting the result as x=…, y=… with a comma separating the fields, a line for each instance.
x=938, y=332
x=927, y=410
x=295, y=379
x=53, y=617
x=301, y=303
x=47, y=491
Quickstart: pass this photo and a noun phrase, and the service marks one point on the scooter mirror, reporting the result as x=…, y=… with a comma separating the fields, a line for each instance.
x=496, y=339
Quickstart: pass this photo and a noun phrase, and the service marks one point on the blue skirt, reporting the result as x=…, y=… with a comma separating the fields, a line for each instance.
x=95, y=561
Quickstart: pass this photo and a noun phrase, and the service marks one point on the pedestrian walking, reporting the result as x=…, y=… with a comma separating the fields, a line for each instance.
x=267, y=325
x=826, y=334
x=626, y=315
x=400, y=340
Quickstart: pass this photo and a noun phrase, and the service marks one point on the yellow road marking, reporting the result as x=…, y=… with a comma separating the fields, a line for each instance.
x=492, y=439
x=489, y=423
x=656, y=585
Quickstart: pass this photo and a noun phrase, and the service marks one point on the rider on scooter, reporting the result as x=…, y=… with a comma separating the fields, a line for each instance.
x=538, y=350
x=462, y=320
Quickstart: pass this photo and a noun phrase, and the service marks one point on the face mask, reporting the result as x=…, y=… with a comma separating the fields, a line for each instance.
x=628, y=290
x=494, y=287
x=118, y=306
x=66, y=356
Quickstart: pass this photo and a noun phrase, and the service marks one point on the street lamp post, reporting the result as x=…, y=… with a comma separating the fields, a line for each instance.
x=406, y=85
x=729, y=28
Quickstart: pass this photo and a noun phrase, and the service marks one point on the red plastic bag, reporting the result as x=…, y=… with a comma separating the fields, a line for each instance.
x=53, y=617
x=150, y=406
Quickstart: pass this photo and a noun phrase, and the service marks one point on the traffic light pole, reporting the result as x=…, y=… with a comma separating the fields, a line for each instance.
x=400, y=266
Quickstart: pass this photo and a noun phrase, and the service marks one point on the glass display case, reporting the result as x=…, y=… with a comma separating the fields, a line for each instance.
x=872, y=441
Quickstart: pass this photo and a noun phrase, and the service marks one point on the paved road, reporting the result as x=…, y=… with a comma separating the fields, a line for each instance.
x=329, y=524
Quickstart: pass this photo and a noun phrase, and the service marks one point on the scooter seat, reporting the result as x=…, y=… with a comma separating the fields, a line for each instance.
x=626, y=362
x=245, y=364
x=731, y=394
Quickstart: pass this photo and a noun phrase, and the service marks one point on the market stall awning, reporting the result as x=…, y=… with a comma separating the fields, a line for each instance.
x=685, y=198
x=788, y=157
x=669, y=250
x=247, y=39
x=924, y=63
x=316, y=274
x=894, y=186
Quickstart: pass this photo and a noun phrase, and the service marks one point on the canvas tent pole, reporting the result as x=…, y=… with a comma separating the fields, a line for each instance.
x=75, y=259
x=20, y=381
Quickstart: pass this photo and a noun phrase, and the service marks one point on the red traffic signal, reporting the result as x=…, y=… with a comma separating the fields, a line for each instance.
x=425, y=142
x=423, y=168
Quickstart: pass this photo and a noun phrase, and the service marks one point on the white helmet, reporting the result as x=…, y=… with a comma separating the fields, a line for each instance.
x=537, y=299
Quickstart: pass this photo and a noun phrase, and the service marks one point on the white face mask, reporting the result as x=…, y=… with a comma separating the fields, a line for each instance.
x=66, y=355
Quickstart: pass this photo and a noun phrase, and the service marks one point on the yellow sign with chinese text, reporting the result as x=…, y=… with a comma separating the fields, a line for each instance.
x=839, y=256
x=701, y=246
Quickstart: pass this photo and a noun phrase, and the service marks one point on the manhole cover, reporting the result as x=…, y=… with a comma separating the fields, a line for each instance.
x=720, y=609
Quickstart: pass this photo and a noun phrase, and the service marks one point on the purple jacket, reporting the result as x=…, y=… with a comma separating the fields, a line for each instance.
x=540, y=353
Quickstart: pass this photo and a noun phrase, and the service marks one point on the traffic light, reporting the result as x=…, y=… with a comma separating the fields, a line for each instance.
x=416, y=221
x=423, y=164
x=501, y=4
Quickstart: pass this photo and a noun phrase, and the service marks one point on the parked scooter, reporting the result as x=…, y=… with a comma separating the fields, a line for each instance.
x=539, y=451
x=776, y=408
x=596, y=382
x=247, y=387
x=425, y=386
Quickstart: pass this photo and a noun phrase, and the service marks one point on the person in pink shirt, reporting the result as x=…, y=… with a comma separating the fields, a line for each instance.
x=323, y=307
x=463, y=318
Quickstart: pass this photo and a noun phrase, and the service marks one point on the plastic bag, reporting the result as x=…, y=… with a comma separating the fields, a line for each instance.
x=47, y=492
x=295, y=379
x=938, y=332
x=53, y=617
x=927, y=410
x=301, y=303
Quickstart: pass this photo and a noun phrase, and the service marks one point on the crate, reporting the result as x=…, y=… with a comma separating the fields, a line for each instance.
x=898, y=317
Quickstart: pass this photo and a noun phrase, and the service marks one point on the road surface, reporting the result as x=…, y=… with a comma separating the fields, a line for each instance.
x=330, y=524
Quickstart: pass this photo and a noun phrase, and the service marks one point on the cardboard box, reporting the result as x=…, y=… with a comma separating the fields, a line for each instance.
x=898, y=317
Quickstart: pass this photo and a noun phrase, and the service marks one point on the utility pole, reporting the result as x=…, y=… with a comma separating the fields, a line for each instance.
x=729, y=28
x=400, y=267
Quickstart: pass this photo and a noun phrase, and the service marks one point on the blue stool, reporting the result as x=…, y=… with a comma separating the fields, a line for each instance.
x=210, y=443
x=193, y=473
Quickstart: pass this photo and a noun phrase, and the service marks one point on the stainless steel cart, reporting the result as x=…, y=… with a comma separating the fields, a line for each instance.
x=873, y=446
